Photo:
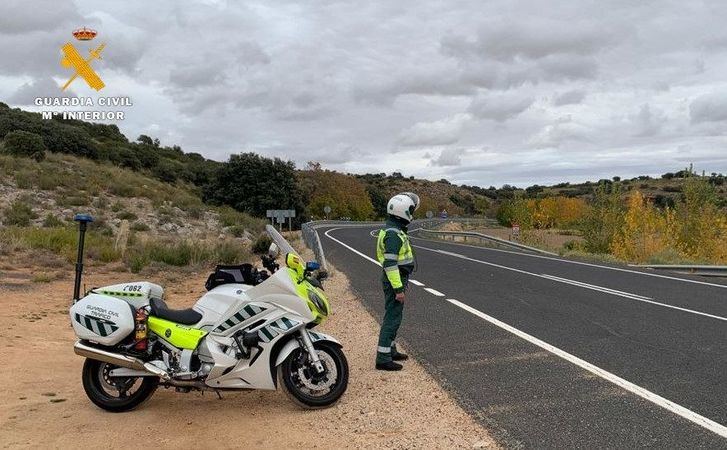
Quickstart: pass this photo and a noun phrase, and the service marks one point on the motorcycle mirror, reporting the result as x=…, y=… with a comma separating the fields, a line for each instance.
x=273, y=250
x=312, y=266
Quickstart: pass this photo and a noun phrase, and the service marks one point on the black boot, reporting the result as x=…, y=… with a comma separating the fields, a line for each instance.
x=399, y=356
x=388, y=365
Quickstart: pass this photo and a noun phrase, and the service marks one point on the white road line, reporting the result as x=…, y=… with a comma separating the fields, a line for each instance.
x=444, y=252
x=434, y=292
x=639, y=298
x=349, y=247
x=416, y=283
x=679, y=410
x=595, y=287
x=569, y=261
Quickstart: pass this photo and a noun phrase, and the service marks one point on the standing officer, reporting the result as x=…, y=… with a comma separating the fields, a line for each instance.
x=394, y=252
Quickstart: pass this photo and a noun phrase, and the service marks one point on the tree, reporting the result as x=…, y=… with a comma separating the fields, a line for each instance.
x=252, y=183
x=22, y=143
x=62, y=138
x=145, y=140
x=345, y=194
x=604, y=219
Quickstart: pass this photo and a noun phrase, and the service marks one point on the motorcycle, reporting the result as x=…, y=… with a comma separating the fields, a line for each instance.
x=251, y=330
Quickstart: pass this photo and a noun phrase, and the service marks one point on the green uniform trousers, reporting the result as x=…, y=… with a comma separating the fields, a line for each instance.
x=393, y=310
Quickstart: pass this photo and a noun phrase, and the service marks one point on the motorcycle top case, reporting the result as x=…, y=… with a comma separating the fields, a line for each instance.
x=102, y=319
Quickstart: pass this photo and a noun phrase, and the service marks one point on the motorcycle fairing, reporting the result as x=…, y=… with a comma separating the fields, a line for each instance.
x=180, y=336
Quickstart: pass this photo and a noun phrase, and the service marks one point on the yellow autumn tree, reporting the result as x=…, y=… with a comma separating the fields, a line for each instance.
x=645, y=232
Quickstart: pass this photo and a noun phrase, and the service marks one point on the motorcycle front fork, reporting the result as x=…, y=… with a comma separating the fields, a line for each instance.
x=312, y=353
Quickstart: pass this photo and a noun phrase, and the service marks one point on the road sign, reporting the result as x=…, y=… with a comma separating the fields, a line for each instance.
x=279, y=215
x=430, y=214
x=515, y=231
x=327, y=211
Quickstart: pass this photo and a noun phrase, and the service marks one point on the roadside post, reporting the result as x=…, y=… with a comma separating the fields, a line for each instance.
x=83, y=220
x=515, y=232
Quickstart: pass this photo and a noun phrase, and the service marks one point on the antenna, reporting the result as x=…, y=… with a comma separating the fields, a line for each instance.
x=83, y=220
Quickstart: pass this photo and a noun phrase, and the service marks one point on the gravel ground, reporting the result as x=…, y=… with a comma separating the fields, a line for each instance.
x=42, y=403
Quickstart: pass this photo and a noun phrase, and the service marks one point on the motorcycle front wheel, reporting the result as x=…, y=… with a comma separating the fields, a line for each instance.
x=308, y=389
x=115, y=394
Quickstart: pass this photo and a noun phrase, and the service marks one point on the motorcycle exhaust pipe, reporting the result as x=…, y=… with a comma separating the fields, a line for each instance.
x=117, y=359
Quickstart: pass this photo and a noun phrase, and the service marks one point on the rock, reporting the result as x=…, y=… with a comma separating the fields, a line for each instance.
x=169, y=227
x=479, y=444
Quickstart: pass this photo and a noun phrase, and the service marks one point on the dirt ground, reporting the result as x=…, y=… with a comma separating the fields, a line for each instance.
x=42, y=403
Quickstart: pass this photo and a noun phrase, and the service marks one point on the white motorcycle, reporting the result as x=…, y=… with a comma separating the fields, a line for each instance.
x=251, y=330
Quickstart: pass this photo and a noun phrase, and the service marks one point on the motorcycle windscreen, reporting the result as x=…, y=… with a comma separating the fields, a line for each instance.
x=280, y=241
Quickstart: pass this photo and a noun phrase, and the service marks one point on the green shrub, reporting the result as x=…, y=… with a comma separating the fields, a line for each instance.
x=24, y=179
x=186, y=252
x=72, y=200
x=22, y=143
x=63, y=241
x=574, y=245
x=139, y=226
x=229, y=252
x=47, y=181
x=126, y=215
x=237, y=230
x=19, y=213
x=51, y=221
x=261, y=244
x=230, y=217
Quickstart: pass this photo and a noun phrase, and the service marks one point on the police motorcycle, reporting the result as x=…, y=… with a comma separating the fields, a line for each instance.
x=251, y=330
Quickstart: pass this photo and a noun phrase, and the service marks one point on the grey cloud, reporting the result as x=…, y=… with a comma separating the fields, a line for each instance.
x=567, y=67
x=559, y=132
x=647, y=122
x=21, y=17
x=710, y=107
x=449, y=157
x=442, y=132
x=530, y=39
x=499, y=107
x=44, y=87
x=569, y=97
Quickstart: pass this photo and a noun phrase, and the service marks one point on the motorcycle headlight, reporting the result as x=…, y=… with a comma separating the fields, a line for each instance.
x=318, y=302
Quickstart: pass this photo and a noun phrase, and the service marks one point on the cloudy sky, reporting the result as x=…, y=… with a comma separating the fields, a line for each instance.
x=477, y=92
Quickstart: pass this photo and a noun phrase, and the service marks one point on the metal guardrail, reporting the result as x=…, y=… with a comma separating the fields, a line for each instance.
x=312, y=240
x=702, y=270
x=483, y=237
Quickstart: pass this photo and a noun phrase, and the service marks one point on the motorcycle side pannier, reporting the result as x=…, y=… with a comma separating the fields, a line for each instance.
x=102, y=319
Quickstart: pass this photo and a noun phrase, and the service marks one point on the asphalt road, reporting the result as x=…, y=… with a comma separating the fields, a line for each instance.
x=548, y=353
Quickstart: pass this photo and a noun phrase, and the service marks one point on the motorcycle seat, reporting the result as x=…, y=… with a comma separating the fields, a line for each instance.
x=184, y=316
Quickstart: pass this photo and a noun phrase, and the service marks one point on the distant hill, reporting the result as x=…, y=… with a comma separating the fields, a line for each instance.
x=253, y=183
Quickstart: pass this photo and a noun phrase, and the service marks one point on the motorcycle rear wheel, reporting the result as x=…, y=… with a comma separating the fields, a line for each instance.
x=306, y=389
x=129, y=392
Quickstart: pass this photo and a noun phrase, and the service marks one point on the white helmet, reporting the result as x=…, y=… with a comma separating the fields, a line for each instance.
x=403, y=206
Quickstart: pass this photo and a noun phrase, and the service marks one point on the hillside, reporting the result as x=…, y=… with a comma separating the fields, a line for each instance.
x=247, y=182
x=138, y=220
